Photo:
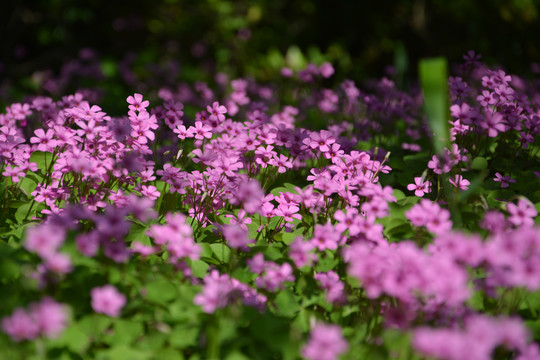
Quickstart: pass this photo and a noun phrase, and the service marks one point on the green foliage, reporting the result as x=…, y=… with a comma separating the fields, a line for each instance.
x=434, y=81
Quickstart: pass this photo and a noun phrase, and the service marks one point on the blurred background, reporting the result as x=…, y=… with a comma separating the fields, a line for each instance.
x=52, y=47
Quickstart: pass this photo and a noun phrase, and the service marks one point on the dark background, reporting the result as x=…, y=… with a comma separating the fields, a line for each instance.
x=193, y=39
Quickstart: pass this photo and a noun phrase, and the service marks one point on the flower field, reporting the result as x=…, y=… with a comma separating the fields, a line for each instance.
x=281, y=220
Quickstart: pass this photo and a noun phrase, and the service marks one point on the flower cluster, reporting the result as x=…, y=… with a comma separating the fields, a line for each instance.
x=46, y=318
x=203, y=204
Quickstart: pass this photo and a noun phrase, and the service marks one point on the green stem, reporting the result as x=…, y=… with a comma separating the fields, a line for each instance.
x=213, y=339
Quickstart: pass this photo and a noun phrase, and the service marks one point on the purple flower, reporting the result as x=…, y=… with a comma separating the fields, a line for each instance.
x=504, y=180
x=107, y=300
x=493, y=124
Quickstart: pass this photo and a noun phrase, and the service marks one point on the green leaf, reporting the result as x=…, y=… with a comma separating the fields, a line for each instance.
x=479, y=163
x=161, y=291
x=125, y=332
x=183, y=336
x=138, y=233
x=122, y=352
x=94, y=325
x=221, y=252
x=286, y=303
x=168, y=354
x=206, y=250
x=74, y=339
x=199, y=268
x=28, y=184
x=21, y=212
x=434, y=82
x=326, y=264
x=39, y=158
x=294, y=58
x=272, y=252
x=9, y=269
x=398, y=194
x=236, y=355
x=287, y=238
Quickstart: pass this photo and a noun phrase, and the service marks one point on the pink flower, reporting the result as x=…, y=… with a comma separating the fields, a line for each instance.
x=58, y=263
x=288, y=212
x=50, y=316
x=182, y=132
x=150, y=191
x=326, y=70
x=330, y=282
x=14, y=172
x=325, y=237
x=215, y=292
x=44, y=140
x=274, y=275
x=493, y=124
x=217, y=112
x=420, y=187
x=240, y=219
x=20, y=326
x=430, y=215
x=44, y=239
x=301, y=252
x=321, y=140
x=107, y=300
x=326, y=342
x=47, y=318
x=136, y=102
x=236, y=236
x=521, y=214
x=200, y=131
x=282, y=162
x=459, y=182
x=286, y=72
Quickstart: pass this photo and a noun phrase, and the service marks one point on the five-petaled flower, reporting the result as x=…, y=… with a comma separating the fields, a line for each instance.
x=420, y=186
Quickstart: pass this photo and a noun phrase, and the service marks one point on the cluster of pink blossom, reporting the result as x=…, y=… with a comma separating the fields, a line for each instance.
x=431, y=215
x=480, y=336
x=334, y=288
x=221, y=290
x=326, y=343
x=107, y=300
x=46, y=318
x=176, y=236
x=271, y=276
x=406, y=272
